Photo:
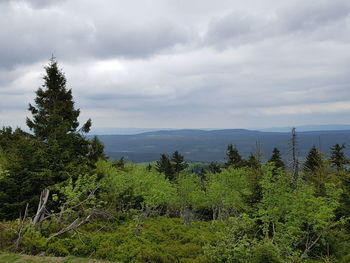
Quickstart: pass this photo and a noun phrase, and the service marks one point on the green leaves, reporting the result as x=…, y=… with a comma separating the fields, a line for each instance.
x=226, y=191
x=150, y=188
x=189, y=192
x=295, y=216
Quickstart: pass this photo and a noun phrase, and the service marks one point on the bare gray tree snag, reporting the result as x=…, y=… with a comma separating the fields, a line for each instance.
x=142, y=218
x=295, y=161
x=187, y=215
x=39, y=216
x=21, y=228
x=258, y=151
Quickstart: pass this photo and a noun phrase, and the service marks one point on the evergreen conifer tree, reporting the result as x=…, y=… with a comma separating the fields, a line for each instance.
x=276, y=159
x=164, y=166
x=24, y=163
x=214, y=168
x=54, y=115
x=120, y=163
x=313, y=161
x=55, y=124
x=233, y=158
x=55, y=151
x=338, y=159
x=253, y=162
x=178, y=162
x=96, y=150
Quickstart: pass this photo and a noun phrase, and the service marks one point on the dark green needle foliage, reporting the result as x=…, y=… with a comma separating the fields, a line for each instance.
x=23, y=165
x=54, y=115
x=233, y=158
x=313, y=161
x=96, y=150
x=253, y=162
x=338, y=159
x=276, y=159
x=55, y=123
x=164, y=166
x=178, y=162
x=56, y=151
x=214, y=168
x=120, y=163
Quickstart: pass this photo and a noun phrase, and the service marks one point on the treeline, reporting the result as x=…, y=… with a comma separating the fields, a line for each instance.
x=315, y=160
x=60, y=196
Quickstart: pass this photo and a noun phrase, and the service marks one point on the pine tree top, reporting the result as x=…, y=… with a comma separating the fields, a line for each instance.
x=54, y=114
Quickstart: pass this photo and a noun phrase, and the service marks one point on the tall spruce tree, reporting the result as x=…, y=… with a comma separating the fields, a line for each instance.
x=55, y=123
x=313, y=161
x=253, y=162
x=233, y=158
x=96, y=150
x=178, y=162
x=164, y=166
x=55, y=151
x=54, y=115
x=338, y=159
x=276, y=159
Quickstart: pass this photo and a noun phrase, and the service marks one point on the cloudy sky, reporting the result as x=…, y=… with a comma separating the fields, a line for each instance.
x=181, y=63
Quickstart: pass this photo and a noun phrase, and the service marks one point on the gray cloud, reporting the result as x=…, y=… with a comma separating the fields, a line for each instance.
x=35, y=33
x=164, y=63
x=313, y=15
x=137, y=41
x=321, y=20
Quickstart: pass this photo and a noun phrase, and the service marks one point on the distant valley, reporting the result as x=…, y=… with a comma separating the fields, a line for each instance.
x=206, y=146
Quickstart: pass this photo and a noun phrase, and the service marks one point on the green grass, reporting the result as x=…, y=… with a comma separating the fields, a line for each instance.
x=19, y=258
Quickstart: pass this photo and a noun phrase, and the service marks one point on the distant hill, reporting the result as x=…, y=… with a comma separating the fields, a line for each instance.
x=206, y=146
x=328, y=127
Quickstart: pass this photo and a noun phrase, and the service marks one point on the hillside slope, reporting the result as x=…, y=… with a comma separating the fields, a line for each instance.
x=206, y=146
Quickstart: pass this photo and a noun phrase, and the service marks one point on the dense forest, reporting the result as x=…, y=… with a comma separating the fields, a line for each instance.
x=61, y=195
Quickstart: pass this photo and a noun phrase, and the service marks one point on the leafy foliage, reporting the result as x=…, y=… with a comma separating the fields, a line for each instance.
x=226, y=192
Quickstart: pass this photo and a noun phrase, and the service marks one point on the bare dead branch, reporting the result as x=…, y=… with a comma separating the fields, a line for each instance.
x=75, y=224
x=39, y=216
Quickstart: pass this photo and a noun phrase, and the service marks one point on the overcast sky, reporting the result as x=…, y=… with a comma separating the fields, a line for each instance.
x=181, y=63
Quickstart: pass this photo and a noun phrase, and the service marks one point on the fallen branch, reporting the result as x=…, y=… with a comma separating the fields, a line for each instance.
x=75, y=224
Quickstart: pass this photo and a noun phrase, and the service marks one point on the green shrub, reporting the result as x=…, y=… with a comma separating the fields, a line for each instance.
x=7, y=236
x=60, y=247
x=265, y=253
x=161, y=240
x=33, y=242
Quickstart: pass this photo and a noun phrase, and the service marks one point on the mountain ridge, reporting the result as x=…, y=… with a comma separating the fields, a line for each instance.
x=206, y=146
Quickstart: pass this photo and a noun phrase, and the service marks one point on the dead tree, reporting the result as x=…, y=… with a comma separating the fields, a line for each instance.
x=141, y=219
x=295, y=162
x=187, y=215
x=74, y=225
x=40, y=213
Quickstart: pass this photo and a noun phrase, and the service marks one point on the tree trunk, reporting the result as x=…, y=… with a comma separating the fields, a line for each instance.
x=41, y=208
x=143, y=216
x=187, y=214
